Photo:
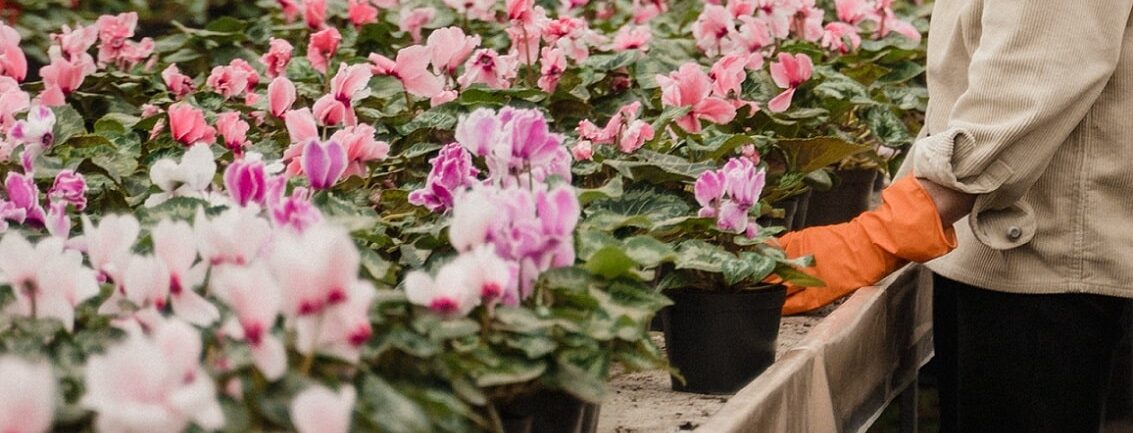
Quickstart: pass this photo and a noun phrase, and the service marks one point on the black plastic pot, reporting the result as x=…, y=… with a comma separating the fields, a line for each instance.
x=790, y=208
x=849, y=197
x=720, y=341
x=548, y=411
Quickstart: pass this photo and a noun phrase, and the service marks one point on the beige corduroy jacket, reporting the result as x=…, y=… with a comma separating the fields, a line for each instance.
x=1031, y=108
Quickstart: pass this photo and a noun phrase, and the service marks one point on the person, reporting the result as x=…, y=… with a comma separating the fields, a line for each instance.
x=1028, y=148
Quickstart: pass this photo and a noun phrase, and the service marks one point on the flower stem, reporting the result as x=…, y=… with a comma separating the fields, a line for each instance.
x=497, y=423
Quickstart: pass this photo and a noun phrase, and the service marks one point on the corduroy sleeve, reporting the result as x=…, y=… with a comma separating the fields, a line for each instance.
x=1037, y=69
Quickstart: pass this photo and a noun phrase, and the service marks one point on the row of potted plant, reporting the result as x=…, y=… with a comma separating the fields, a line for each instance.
x=415, y=216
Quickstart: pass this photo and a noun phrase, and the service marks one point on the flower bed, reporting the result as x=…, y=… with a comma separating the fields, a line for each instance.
x=372, y=215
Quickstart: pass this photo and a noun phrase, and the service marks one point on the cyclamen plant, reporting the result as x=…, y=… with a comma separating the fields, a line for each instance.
x=383, y=215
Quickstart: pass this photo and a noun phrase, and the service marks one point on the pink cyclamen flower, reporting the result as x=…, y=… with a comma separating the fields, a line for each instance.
x=361, y=12
x=711, y=27
x=69, y=187
x=152, y=383
x=12, y=100
x=727, y=75
x=281, y=95
x=320, y=410
x=109, y=243
x=552, y=64
x=234, y=130
x=13, y=63
x=841, y=38
x=315, y=13
x=853, y=12
x=452, y=172
x=290, y=8
x=350, y=85
x=413, y=20
x=36, y=130
x=278, y=56
x=744, y=181
x=47, y=281
x=690, y=87
x=709, y=190
x=188, y=125
x=178, y=84
x=361, y=147
x=582, y=151
x=489, y=67
x=61, y=77
x=175, y=247
x=315, y=269
x=321, y=47
x=632, y=37
x=807, y=22
x=474, y=9
x=58, y=221
x=24, y=194
x=229, y=81
x=76, y=41
x=412, y=68
x=328, y=111
x=246, y=181
x=450, y=48
x=294, y=212
x=27, y=396
x=518, y=9
x=323, y=162
x=789, y=73
x=235, y=237
x=646, y=10
x=752, y=37
x=255, y=299
x=449, y=294
x=531, y=141
x=301, y=125
x=478, y=131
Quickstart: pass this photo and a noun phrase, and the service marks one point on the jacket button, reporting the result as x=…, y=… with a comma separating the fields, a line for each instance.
x=1014, y=233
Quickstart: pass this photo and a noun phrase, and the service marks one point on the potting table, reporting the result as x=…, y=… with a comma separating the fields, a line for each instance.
x=837, y=378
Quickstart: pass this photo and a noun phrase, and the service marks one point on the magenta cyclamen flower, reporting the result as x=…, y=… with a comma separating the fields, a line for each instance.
x=246, y=181
x=531, y=140
x=323, y=162
x=24, y=194
x=729, y=194
x=452, y=171
x=71, y=187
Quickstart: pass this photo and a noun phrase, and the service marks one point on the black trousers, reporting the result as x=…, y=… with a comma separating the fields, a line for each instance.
x=1015, y=363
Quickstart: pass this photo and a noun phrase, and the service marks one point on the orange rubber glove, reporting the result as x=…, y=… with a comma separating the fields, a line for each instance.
x=906, y=227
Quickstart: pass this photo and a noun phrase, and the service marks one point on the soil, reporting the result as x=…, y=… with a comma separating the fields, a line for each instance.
x=644, y=403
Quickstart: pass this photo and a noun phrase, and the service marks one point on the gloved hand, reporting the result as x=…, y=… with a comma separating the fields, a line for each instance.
x=906, y=227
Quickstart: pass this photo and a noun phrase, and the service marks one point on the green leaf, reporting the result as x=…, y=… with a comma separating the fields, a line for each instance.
x=761, y=265
x=68, y=123
x=612, y=189
x=679, y=168
x=797, y=277
x=390, y=409
x=639, y=208
x=889, y=128
x=610, y=262
x=902, y=72
x=648, y=251
x=736, y=270
x=702, y=256
x=807, y=155
x=511, y=371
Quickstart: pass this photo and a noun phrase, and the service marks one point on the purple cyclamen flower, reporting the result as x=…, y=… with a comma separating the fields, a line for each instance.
x=733, y=217
x=709, y=189
x=296, y=212
x=37, y=129
x=744, y=181
x=246, y=181
x=530, y=138
x=323, y=162
x=69, y=187
x=24, y=194
x=452, y=172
